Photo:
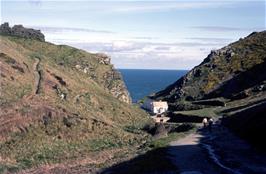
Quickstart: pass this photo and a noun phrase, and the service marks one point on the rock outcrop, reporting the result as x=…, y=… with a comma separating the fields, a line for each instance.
x=111, y=80
x=115, y=84
x=103, y=58
x=20, y=31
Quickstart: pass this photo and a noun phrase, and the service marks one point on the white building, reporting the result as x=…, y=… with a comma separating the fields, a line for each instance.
x=156, y=107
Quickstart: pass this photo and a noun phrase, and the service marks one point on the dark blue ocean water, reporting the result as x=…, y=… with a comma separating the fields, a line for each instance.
x=141, y=83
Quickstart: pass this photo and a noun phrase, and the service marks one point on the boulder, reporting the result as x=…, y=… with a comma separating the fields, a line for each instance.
x=72, y=120
x=47, y=119
x=78, y=67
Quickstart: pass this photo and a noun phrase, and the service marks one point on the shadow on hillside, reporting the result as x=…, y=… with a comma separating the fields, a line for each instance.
x=154, y=161
x=250, y=124
x=184, y=118
x=210, y=156
x=243, y=107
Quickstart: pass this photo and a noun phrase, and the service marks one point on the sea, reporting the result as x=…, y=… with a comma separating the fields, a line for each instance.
x=142, y=82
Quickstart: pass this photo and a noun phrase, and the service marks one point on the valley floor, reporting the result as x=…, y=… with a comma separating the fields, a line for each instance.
x=200, y=152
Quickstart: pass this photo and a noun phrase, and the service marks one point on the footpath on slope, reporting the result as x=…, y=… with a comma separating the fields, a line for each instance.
x=218, y=152
x=37, y=74
x=37, y=79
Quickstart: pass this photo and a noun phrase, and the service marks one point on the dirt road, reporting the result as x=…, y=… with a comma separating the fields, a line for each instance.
x=190, y=157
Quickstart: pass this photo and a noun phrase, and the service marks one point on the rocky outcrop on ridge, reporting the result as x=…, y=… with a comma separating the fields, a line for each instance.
x=20, y=31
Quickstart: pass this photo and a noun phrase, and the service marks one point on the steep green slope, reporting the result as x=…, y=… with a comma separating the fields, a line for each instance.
x=224, y=73
x=60, y=104
x=229, y=84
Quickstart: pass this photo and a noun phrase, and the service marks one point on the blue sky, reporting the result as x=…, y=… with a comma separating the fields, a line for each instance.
x=141, y=34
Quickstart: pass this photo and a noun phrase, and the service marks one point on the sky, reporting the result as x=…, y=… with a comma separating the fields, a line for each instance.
x=141, y=34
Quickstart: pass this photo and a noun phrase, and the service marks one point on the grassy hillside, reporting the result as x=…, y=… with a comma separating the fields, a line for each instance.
x=229, y=84
x=61, y=104
x=224, y=73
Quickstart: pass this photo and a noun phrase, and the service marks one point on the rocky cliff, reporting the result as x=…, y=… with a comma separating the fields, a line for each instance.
x=20, y=31
x=233, y=71
x=62, y=105
x=113, y=80
x=110, y=79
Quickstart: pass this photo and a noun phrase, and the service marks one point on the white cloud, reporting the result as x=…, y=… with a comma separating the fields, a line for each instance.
x=209, y=39
x=169, y=5
x=225, y=29
x=128, y=52
x=123, y=46
x=35, y=2
x=68, y=29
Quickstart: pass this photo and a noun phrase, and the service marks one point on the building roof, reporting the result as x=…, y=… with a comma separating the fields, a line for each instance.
x=160, y=104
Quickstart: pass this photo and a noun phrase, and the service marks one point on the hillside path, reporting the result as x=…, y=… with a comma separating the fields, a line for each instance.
x=37, y=75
